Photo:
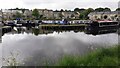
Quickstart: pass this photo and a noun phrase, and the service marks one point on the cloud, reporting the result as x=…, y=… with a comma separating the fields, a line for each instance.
x=58, y=4
x=10, y=4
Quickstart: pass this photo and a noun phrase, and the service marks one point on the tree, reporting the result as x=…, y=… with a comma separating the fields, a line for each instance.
x=107, y=9
x=76, y=9
x=36, y=14
x=17, y=15
x=86, y=12
x=66, y=10
x=102, y=9
x=99, y=9
x=16, y=8
x=61, y=10
x=81, y=16
x=90, y=10
x=56, y=10
x=118, y=9
x=79, y=10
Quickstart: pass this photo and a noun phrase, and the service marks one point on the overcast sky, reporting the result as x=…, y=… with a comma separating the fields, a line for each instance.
x=58, y=4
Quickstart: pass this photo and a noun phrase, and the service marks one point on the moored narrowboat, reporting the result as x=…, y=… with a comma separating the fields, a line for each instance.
x=98, y=26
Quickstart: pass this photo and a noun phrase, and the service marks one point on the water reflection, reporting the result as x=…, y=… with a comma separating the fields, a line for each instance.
x=0, y=55
x=37, y=46
x=119, y=35
x=37, y=31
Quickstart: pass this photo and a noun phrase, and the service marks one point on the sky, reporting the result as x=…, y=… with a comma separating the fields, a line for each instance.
x=58, y=4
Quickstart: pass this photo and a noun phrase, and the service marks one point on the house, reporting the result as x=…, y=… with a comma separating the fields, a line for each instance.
x=57, y=15
x=113, y=15
x=0, y=15
x=65, y=14
x=27, y=14
x=16, y=10
x=68, y=14
x=48, y=14
x=7, y=14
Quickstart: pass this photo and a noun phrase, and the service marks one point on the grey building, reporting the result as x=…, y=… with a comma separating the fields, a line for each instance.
x=1, y=25
x=113, y=15
x=57, y=14
x=48, y=14
x=9, y=14
x=0, y=15
x=27, y=14
x=65, y=14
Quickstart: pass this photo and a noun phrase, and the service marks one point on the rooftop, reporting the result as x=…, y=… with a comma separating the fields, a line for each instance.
x=112, y=12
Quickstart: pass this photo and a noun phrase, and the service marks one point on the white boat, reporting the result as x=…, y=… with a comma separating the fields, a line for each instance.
x=15, y=29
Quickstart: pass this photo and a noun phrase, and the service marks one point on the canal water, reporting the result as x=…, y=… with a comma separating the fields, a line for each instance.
x=34, y=47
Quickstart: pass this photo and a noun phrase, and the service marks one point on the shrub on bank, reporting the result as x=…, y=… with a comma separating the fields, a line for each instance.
x=100, y=57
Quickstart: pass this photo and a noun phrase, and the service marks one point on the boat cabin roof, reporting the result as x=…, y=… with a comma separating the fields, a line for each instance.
x=105, y=21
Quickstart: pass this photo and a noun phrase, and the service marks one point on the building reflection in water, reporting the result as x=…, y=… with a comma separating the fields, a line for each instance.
x=0, y=35
x=53, y=46
x=119, y=36
x=38, y=31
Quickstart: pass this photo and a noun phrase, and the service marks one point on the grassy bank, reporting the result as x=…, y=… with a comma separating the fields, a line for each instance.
x=100, y=57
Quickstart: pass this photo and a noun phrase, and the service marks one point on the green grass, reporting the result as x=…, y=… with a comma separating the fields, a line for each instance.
x=100, y=57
